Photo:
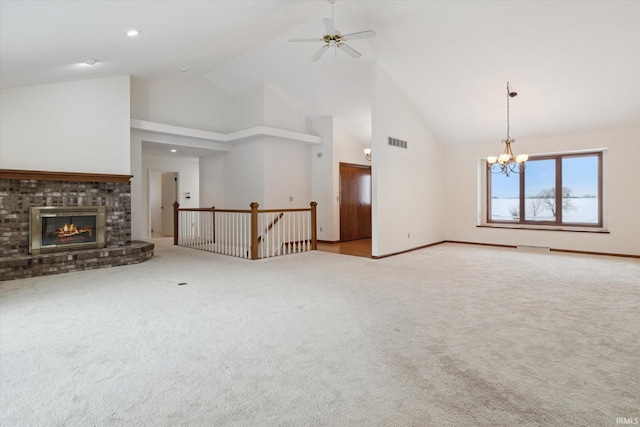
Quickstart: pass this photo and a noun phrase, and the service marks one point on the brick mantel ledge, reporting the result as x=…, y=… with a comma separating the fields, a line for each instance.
x=62, y=176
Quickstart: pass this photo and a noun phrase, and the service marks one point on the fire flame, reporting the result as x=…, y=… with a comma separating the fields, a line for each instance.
x=71, y=230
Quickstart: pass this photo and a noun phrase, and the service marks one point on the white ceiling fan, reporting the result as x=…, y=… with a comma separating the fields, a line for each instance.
x=335, y=39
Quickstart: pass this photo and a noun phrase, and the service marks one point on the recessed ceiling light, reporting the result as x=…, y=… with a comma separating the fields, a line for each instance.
x=91, y=62
x=133, y=33
x=174, y=151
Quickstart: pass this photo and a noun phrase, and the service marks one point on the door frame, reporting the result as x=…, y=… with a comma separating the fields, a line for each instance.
x=150, y=171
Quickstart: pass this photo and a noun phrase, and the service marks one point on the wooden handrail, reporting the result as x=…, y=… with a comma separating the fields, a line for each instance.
x=283, y=210
x=274, y=222
x=217, y=210
x=245, y=210
x=203, y=210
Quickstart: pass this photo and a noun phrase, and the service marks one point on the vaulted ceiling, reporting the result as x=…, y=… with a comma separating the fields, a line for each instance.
x=575, y=65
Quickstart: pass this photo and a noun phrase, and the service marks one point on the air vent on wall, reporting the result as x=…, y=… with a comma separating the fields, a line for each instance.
x=397, y=142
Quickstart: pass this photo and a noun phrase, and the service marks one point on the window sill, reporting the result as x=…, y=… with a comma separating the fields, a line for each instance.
x=546, y=228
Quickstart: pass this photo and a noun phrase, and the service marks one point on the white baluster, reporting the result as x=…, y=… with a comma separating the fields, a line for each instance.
x=236, y=218
x=266, y=236
x=299, y=239
x=290, y=220
x=242, y=231
x=223, y=242
x=276, y=235
x=306, y=229
x=190, y=226
x=223, y=222
x=226, y=234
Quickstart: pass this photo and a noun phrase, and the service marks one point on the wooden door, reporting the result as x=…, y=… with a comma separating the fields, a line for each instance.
x=355, y=202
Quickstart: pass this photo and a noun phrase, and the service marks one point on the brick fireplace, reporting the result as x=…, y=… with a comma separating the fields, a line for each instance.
x=71, y=194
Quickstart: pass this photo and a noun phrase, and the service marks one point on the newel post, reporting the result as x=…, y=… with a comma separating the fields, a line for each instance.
x=314, y=232
x=254, y=230
x=176, y=205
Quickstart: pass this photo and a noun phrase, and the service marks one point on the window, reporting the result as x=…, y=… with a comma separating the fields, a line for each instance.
x=564, y=189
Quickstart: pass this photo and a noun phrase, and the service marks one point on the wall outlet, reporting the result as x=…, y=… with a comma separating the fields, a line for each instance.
x=320, y=229
x=291, y=198
x=408, y=235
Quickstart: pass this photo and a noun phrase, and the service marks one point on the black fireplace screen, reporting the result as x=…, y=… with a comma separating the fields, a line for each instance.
x=72, y=229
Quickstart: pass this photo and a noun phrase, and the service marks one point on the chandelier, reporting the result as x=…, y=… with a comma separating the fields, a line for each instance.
x=507, y=162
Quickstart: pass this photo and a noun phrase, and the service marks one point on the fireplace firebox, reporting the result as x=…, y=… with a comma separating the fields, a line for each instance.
x=65, y=228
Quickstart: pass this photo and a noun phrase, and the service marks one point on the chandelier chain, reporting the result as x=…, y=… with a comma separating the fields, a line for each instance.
x=508, y=138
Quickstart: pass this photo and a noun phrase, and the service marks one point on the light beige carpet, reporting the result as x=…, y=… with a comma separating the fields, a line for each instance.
x=451, y=335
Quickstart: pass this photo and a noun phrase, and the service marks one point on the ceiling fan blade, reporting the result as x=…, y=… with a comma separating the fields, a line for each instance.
x=328, y=25
x=349, y=50
x=360, y=35
x=319, y=53
x=306, y=40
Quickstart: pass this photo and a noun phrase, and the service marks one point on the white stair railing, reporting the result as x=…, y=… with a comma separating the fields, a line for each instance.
x=251, y=234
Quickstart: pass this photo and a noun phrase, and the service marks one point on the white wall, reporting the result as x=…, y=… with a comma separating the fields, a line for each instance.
x=246, y=109
x=321, y=168
x=264, y=170
x=155, y=200
x=268, y=171
x=212, y=181
x=280, y=113
x=286, y=174
x=188, y=180
x=188, y=102
x=136, y=187
x=80, y=126
x=243, y=175
x=347, y=149
x=263, y=105
x=408, y=187
x=621, y=179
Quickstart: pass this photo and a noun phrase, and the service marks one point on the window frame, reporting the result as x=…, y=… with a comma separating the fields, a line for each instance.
x=558, y=187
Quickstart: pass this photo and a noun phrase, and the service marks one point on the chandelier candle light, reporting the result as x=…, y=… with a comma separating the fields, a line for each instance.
x=507, y=161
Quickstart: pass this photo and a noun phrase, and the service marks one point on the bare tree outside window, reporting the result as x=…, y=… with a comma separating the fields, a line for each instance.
x=536, y=206
x=548, y=199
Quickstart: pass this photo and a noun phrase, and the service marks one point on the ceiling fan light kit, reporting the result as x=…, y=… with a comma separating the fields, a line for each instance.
x=335, y=39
